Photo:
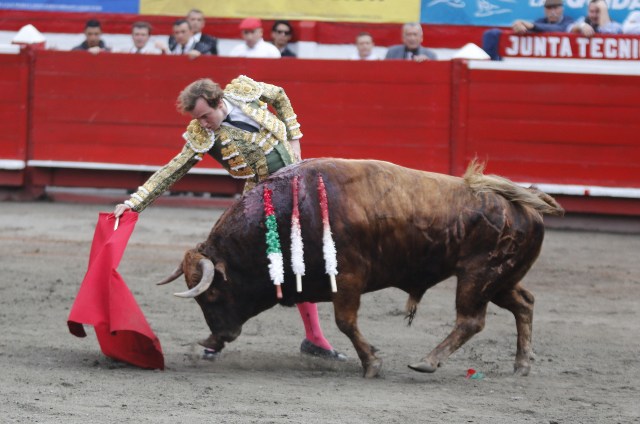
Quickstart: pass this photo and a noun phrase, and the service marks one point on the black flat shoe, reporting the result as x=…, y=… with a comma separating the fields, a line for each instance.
x=309, y=348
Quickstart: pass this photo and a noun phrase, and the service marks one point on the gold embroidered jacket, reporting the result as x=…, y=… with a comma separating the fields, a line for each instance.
x=244, y=154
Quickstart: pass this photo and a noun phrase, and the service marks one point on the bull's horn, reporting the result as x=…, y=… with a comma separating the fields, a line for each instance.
x=178, y=272
x=208, y=271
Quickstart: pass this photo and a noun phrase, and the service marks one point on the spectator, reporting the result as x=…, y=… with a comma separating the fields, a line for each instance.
x=554, y=21
x=196, y=21
x=93, y=38
x=631, y=25
x=281, y=33
x=140, y=35
x=411, y=47
x=254, y=45
x=184, y=42
x=597, y=21
x=364, y=46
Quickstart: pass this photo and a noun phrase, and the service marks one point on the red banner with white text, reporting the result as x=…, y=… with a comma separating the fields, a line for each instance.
x=570, y=46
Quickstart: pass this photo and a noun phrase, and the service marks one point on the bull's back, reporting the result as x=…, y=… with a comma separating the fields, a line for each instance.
x=392, y=226
x=408, y=228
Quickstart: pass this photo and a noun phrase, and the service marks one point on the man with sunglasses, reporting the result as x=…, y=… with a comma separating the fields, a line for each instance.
x=254, y=45
x=554, y=21
x=281, y=33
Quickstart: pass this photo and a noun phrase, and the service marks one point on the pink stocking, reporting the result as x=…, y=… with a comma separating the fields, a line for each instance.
x=309, y=313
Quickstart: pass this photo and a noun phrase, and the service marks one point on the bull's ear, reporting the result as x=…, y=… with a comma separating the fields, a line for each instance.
x=222, y=269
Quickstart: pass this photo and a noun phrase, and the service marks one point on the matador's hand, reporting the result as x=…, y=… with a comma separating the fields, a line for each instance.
x=120, y=209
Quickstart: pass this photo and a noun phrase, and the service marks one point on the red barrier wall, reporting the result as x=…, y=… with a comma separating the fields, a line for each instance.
x=551, y=127
x=98, y=121
x=120, y=108
x=14, y=86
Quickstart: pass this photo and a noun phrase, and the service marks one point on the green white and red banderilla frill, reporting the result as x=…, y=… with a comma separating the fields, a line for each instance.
x=297, y=249
x=328, y=246
x=274, y=253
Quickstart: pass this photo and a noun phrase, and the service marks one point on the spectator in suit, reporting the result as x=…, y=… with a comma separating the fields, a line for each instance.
x=281, y=34
x=254, y=45
x=184, y=42
x=196, y=20
x=411, y=47
x=554, y=20
x=93, y=38
x=364, y=47
x=597, y=21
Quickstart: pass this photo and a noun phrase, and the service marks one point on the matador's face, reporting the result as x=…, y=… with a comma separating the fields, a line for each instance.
x=209, y=117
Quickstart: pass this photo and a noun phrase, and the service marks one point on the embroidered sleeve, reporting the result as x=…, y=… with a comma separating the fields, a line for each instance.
x=198, y=141
x=276, y=97
x=162, y=179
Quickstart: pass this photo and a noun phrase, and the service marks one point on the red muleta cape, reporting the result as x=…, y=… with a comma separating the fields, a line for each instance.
x=105, y=301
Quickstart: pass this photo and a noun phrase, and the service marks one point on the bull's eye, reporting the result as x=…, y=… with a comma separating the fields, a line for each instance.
x=212, y=295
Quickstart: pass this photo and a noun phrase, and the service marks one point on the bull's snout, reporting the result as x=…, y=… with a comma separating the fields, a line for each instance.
x=217, y=342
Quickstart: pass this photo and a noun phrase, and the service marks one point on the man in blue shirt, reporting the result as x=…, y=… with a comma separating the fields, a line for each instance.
x=554, y=21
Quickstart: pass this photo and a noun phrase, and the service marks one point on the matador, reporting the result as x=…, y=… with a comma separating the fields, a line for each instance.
x=236, y=127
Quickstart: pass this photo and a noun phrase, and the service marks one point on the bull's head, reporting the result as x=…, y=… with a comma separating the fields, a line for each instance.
x=198, y=272
x=215, y=298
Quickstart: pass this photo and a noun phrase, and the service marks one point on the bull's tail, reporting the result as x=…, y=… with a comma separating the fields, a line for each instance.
x=531, y=197
x=410, y=309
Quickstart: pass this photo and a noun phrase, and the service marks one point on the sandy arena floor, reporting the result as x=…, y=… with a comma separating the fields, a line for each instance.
x=586, y=338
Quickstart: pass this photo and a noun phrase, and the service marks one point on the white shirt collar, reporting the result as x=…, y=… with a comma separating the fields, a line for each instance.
x=188, y=47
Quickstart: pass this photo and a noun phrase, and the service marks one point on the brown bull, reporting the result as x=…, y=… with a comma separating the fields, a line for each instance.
x=392, y=227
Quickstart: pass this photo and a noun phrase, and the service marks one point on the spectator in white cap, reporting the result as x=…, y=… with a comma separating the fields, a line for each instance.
x=254, y=45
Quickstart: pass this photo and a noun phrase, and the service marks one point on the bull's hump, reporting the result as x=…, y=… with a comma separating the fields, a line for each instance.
x=350, y=168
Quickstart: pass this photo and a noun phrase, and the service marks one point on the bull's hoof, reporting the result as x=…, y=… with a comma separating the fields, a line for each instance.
x=207, y=343
x=373, y=369
x=423, y=367
x=521, y=369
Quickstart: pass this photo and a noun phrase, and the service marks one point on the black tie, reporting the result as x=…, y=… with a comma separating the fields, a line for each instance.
x=242, y=125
